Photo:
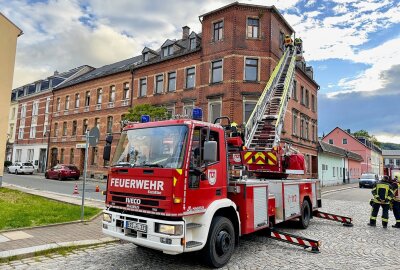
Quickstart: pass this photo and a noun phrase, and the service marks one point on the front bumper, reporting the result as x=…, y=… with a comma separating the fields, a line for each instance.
x=150, y=239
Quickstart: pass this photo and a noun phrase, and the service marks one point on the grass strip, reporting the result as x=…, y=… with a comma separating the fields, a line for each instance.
x=21, y=210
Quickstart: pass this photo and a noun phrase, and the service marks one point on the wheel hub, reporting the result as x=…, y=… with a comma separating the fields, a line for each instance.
x=223, y=242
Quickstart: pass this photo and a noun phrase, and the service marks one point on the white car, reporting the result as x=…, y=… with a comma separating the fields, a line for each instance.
x=19, y=167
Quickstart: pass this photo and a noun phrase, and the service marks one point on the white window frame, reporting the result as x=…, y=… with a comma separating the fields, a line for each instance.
x=18, y=155
x=188, y=105
x=140, y=87
x=211, y=71
x=47, y=110
x=155, y=83
x=32, y=132
x=194, y=79
x=212, y=102
x=258, y=68
x=247, y=27
x=247, y=101
x=21, y=133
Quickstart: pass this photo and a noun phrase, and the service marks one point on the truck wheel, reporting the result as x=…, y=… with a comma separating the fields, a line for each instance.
x=305, y=215
x=220, y=242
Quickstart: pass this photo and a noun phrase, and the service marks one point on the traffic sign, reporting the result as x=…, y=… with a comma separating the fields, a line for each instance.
x=94, y=135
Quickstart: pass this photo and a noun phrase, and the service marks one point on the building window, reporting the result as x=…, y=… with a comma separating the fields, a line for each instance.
x=84, y=126
x=214, y=110
x=302, y=122
x=333, y=169
x=190, y=77
x=253, y=27
x=216, y=71
x=187, y=109
x=313, y=108
x=23, y=111
x=11, y=131
x=146, y=57
x=306, y=130
x=170, y=110
x=47, y=110
x=13, y=113
x=126, y=91
x=171, y=81
x=294, y=124
x=72, y=156
x=18, y=154
x=32, y=133
x=168, y=50
x=294, y=91
x=87, y=99
x=97, y=122
x=344, y=141
x=302, y=97
x=159, y=84
x=64, y=129
x=66, y=107
x=218, y=28
x=35, y=108
x=111, y=97
x=21, y=133
x=143, y=87
x=99, y=95
x=58, y=104
x=248, y=107
x=55, y=129
x=109, y=124
x=94, y=155
x=74, y=127
x=282, y=41
x=192, y=43
x=251, y=69
x=62, y=156
x=307, y=102
x=330, y=141
x=30, y=155
x=77, y=97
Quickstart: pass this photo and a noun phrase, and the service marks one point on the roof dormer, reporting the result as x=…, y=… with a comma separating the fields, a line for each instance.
x=194, y=41
x=148, y=54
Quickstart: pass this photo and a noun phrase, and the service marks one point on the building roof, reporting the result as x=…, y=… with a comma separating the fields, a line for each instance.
x=329, y=148
x=390, y=152
x=253, y=6
x=20, y=31
x=134, y=62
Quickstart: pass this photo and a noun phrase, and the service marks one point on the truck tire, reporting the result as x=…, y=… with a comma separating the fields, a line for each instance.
x=220, y=242
x=305, y=215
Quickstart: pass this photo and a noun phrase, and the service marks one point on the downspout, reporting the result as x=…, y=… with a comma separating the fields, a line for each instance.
x=132, y=80
x=49, y=131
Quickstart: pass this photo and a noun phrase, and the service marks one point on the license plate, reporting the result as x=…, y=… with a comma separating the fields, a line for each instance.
x=136, y=226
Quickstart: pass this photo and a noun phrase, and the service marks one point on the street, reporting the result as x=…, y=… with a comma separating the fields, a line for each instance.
x=358, y=247
x=38, y=182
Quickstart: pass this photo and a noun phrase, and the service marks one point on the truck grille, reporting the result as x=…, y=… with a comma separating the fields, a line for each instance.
x=147, y=202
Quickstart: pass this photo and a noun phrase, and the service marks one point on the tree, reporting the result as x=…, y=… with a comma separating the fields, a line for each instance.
x=137, y=111
x=364, y=133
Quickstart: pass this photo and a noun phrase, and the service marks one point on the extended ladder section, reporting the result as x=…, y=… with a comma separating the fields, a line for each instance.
x=263, y=129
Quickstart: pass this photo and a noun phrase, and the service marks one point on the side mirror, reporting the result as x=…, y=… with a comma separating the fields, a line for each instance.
x=210, y=151
x=107, y=152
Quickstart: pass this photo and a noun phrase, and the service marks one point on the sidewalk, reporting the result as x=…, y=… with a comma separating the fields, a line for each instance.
x=26, y=242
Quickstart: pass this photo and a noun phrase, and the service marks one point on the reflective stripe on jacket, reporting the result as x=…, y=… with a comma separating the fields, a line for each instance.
x=382, y=192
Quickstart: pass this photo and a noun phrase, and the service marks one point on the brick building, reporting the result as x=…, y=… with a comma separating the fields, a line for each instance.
x=34, y=113
x=223, y=70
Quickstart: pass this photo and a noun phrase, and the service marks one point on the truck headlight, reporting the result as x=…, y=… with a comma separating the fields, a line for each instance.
x=107, y=217
x=169, y=229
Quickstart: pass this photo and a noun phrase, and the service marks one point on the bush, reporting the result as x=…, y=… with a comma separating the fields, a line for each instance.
x=7, y=163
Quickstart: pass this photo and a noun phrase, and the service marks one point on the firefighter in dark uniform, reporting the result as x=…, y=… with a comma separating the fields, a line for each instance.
x=396, y=202
x=383, y=194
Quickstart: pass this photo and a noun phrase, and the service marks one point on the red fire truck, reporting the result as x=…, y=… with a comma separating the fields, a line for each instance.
x=185, y=185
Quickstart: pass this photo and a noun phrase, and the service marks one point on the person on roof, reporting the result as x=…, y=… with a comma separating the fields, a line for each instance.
x=383, y=195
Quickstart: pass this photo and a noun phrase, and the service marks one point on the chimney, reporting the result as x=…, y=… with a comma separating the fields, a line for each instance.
x=185, y=32
x=348, y=131
x=55, y=73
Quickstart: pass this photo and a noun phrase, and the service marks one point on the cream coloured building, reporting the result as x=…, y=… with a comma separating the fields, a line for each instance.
x=9, y=33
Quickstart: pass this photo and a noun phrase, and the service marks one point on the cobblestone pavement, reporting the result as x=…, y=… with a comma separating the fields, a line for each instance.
x=359, y=247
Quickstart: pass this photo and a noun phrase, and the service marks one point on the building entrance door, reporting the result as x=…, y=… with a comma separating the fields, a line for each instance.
x=54, y=155
x=42, y=160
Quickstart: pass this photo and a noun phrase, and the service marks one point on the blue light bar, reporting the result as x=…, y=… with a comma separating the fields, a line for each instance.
x=144, y=118
x=197, y=114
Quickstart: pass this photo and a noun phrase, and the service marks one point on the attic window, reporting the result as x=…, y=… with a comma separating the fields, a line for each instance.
x=192, y=43
x=146, y=57
x=168, y=50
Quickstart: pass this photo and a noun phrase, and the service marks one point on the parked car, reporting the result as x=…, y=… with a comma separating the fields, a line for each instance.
x=20, y=167
x=368, y=180
x=63, y=171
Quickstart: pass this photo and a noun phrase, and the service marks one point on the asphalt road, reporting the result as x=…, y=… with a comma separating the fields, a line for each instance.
x=38, y=182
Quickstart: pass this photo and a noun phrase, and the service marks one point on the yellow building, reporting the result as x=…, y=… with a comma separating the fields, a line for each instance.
x=9, y=33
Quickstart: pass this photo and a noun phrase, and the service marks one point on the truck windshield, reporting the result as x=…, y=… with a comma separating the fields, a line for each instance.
x=162, y=147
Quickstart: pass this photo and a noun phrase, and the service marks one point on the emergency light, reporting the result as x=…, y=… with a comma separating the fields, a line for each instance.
x=197, y=114
x=144, y=118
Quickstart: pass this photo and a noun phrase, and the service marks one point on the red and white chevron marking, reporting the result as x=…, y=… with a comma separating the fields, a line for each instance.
x=293, y=239
x=333, y=217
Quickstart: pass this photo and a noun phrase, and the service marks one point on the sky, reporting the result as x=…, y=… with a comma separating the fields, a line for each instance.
x=353, y=46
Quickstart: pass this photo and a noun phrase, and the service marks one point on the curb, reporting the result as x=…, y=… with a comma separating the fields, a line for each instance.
x=30, y=251
x=336, y=190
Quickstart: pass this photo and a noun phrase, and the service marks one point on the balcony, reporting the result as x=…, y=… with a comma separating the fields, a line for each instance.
x=86, y=109
x=98, y=106
x=110, y=104
x=66, y=112
x=125, y=102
